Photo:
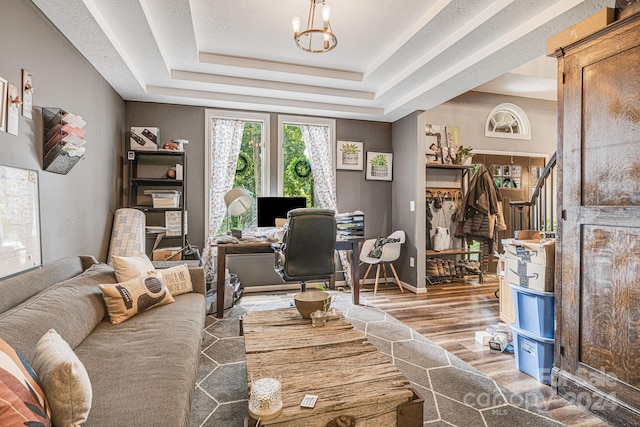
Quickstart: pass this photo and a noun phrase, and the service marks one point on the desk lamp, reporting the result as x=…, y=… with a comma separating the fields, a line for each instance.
x=237, y=202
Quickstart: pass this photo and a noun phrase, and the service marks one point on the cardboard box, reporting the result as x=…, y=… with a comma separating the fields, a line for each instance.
x=144, y=138
x=541, y=252
x=163, y=254
x=580, y=30
x=529, y=275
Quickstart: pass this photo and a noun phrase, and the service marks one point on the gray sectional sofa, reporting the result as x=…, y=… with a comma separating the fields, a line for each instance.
x=142, y=371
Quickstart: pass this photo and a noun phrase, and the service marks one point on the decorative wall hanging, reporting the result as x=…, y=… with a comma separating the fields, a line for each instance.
x=27, y=94
x=19, y=220
x=13, y=109
x=379, y=166
x=3, y=104
x=63, y=140
x=350, y=155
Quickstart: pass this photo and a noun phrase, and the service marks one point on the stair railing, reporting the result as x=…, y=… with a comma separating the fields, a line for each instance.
x=539, y=213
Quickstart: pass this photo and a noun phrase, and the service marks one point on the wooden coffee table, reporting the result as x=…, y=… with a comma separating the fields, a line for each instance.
x=335, y=362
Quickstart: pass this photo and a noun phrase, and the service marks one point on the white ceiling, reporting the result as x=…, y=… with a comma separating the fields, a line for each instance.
x=393, y=56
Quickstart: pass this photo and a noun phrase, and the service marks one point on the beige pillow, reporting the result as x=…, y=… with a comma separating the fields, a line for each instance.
x=125, y=300
x=65, y=380
x=131, y=267
x=177, y=279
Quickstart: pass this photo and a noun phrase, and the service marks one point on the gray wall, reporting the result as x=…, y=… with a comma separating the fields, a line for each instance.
x=469, y=112
x=353, y=191
x=76, y=209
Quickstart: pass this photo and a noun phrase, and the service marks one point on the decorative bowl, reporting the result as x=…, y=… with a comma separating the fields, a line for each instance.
x=309, y=301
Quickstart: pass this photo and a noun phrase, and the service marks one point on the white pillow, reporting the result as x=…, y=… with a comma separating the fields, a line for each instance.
x=177, y=279
x=131, y=267
x=65, y=380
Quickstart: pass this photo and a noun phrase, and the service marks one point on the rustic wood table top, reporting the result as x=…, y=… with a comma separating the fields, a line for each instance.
x=335, y=362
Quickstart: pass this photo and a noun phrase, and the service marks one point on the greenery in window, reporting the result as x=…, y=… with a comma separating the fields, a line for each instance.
x=298, y=179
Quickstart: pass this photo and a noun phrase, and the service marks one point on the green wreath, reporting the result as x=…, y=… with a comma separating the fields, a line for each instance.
x=302, y=168
x=242, y=165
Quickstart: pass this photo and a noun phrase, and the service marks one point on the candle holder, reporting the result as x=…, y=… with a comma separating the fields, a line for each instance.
x=265, y=400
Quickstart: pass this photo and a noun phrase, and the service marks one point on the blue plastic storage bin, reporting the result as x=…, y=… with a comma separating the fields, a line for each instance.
x=534, y=310
x=533, y=354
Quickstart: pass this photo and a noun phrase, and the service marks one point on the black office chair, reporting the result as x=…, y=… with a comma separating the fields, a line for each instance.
x=307, y=248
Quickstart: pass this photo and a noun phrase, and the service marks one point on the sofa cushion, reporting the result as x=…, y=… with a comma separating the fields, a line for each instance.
x=131, y=267
x=65, y=380
x=125, y=300
x=149, y=361
x=177, y=279
x=22, y=399
x=72, y=307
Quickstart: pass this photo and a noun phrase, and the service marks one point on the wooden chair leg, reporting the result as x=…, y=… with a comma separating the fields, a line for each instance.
x=365, y=275
x=384, y=272
x=396, y=276
x=375, y=288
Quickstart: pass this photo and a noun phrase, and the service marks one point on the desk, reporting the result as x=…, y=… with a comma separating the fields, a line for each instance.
x=225, y=249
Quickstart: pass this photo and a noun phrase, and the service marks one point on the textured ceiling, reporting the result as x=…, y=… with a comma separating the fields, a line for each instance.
x=392, y=57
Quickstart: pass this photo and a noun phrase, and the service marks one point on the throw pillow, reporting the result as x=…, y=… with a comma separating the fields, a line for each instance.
x=125, y=300
x=376, y=251
x=131, y=267
x=65, y=380
x=22, y=399
x=177, y=279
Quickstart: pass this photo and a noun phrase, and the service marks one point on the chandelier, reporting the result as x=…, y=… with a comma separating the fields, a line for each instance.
x=324, y=39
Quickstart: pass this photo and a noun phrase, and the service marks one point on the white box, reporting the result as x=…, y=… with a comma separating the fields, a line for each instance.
x=483, y=337
x=529, y=275
x=144, y=138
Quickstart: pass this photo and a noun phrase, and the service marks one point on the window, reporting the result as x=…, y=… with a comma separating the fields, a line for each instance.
x=508, y=121
x=252, y=168
x=294, y=167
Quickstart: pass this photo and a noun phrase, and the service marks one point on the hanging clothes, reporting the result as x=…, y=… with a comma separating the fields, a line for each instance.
x=481, y=206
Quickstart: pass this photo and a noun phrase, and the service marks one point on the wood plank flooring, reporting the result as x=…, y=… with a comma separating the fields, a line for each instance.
x=450, y=314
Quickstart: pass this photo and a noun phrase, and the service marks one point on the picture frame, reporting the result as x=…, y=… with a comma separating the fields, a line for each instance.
x=379, y=166
x=13, y=102
x=27, y=94
x=436, y=140
x=4, y=87
x=349, y=155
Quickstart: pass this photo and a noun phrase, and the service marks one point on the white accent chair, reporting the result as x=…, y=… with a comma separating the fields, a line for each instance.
x=390, y=253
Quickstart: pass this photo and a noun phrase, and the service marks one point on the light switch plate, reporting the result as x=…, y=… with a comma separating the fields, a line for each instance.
x=412, y=206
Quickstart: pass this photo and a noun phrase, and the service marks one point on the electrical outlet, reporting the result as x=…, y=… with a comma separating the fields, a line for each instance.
x=412, y=261
x=412, y=206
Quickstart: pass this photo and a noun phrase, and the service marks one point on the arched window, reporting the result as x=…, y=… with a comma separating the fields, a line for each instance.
x=508, y=121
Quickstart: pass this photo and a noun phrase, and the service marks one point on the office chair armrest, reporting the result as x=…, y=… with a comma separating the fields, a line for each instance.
x=278, y=248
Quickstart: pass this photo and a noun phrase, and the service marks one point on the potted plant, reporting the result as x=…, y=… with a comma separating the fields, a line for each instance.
x=379, y=165
x=349, y=154
x=463, y=155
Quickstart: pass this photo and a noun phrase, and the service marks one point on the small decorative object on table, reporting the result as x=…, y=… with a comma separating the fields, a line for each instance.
x=265, y=400
x=342, y=421
x=318, y=318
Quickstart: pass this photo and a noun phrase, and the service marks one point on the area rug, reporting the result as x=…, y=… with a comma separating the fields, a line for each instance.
x=454, y=393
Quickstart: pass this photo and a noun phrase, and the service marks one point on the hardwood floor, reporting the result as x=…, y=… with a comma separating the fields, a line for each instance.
x=450, y=314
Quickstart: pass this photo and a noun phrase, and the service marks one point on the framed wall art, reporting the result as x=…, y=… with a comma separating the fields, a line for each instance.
x=19, y=220
x=350, y=155
x=4, y=87
x=379, y=166
x=27, y=94
x=13, y=109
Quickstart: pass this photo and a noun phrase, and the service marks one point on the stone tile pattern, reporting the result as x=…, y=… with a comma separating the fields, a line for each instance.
x=454, y=393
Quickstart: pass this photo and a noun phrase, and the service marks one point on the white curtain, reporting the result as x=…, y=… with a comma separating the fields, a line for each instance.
x=318, y=143
x=225, y=141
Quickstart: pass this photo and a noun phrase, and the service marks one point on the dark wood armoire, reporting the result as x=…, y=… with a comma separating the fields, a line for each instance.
x=597, y=350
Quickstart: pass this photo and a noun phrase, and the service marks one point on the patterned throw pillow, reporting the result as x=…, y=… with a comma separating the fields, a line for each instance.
x=22, y=399
x=125, y=300
x=131, y=267
x=376, y=251
x=65, y=380
x=177, y=279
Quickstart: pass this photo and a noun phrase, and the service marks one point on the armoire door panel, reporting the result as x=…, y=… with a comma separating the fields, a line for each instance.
x=610, y=296
x=610, y=176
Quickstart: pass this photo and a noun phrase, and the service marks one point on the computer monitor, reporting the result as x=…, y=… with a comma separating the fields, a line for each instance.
x=270, y=208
